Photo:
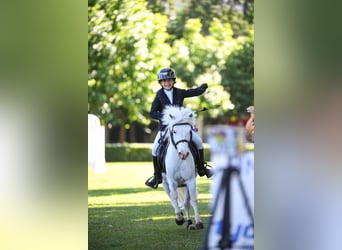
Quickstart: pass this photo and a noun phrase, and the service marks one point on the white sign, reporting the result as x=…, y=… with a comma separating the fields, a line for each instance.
x=231, y=225
x=96, y=144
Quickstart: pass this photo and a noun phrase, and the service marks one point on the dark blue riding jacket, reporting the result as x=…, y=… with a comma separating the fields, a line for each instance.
x=161, y=100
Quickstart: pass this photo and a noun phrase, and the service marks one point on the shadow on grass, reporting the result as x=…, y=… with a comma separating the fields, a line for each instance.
x=150, y=226
x=201, y=188
x=143, y=224
x=115, y=191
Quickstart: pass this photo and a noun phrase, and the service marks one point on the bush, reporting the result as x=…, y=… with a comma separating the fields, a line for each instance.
x=128, y=152
x=135, y=152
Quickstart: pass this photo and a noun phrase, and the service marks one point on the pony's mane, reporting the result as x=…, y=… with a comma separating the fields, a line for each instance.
x=176, y=114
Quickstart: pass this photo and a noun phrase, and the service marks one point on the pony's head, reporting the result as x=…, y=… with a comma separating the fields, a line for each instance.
x=180, y=122
x=176, y=114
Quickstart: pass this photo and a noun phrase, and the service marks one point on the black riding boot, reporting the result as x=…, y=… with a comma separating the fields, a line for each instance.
x=157, y=176
x=201, y=167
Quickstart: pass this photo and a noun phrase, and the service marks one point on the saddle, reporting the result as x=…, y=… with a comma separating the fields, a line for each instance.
x=161, y=152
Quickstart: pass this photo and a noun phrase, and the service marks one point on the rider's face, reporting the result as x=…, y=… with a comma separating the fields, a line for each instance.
x=167, y=83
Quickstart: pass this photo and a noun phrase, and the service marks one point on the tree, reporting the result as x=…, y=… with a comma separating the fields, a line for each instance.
x=238, y=76
x=128, y=43
x=238, y=13
x=126, y=47
x=198, y=59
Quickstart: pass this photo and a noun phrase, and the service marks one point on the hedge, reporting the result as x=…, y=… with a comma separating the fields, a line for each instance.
x=135, y=152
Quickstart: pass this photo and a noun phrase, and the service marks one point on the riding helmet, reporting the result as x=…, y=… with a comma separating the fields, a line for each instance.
x=166, y=73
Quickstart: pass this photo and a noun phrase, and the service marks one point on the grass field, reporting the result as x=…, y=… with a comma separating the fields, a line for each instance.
x=123, y=213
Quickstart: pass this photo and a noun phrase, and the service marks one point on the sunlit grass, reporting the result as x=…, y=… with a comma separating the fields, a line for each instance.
x=125, y=214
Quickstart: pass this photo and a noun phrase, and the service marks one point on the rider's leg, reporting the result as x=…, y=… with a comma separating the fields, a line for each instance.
x=201, y=166
x=157, y=177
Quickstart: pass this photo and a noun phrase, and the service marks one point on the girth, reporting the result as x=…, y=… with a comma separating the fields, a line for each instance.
x=162, y=149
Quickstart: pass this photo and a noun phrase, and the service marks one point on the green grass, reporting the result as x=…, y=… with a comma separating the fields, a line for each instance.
x=123, y=213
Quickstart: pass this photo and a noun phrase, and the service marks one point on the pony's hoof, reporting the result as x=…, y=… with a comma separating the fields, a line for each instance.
x=180, y=222
x=199, y=225
x=189, y=225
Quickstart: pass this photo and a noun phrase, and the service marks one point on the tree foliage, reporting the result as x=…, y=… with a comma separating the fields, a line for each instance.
x=239, y=13
x=129, y=41
x=126, y=46
x=238, y=75
x=198, y=58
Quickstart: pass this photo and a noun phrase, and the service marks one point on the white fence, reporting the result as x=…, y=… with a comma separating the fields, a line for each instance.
x=96, y=145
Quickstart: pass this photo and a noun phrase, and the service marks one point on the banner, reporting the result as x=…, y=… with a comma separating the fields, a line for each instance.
x=231, y=225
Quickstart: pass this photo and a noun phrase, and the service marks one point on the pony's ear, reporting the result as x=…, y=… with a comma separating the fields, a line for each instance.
x=171, y=116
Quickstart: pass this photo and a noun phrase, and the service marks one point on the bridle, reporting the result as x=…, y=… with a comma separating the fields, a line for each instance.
x=184, y=140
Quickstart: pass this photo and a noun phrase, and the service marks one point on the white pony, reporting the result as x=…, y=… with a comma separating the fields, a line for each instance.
x=180, y=164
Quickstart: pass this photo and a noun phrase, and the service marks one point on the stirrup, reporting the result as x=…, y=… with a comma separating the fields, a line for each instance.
x=206, y=165
x=147, y=182
x=207, y=169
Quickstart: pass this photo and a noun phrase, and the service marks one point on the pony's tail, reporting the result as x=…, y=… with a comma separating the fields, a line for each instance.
x=182, y=193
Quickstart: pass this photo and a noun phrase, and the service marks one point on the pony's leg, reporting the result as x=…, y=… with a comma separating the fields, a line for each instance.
x=186, y=202
x=189, y=224
x=174, y=201
x=179, y=217
x=194, y=203
x=166, y=185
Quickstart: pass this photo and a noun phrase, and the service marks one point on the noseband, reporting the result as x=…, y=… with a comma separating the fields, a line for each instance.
x=184, y=140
